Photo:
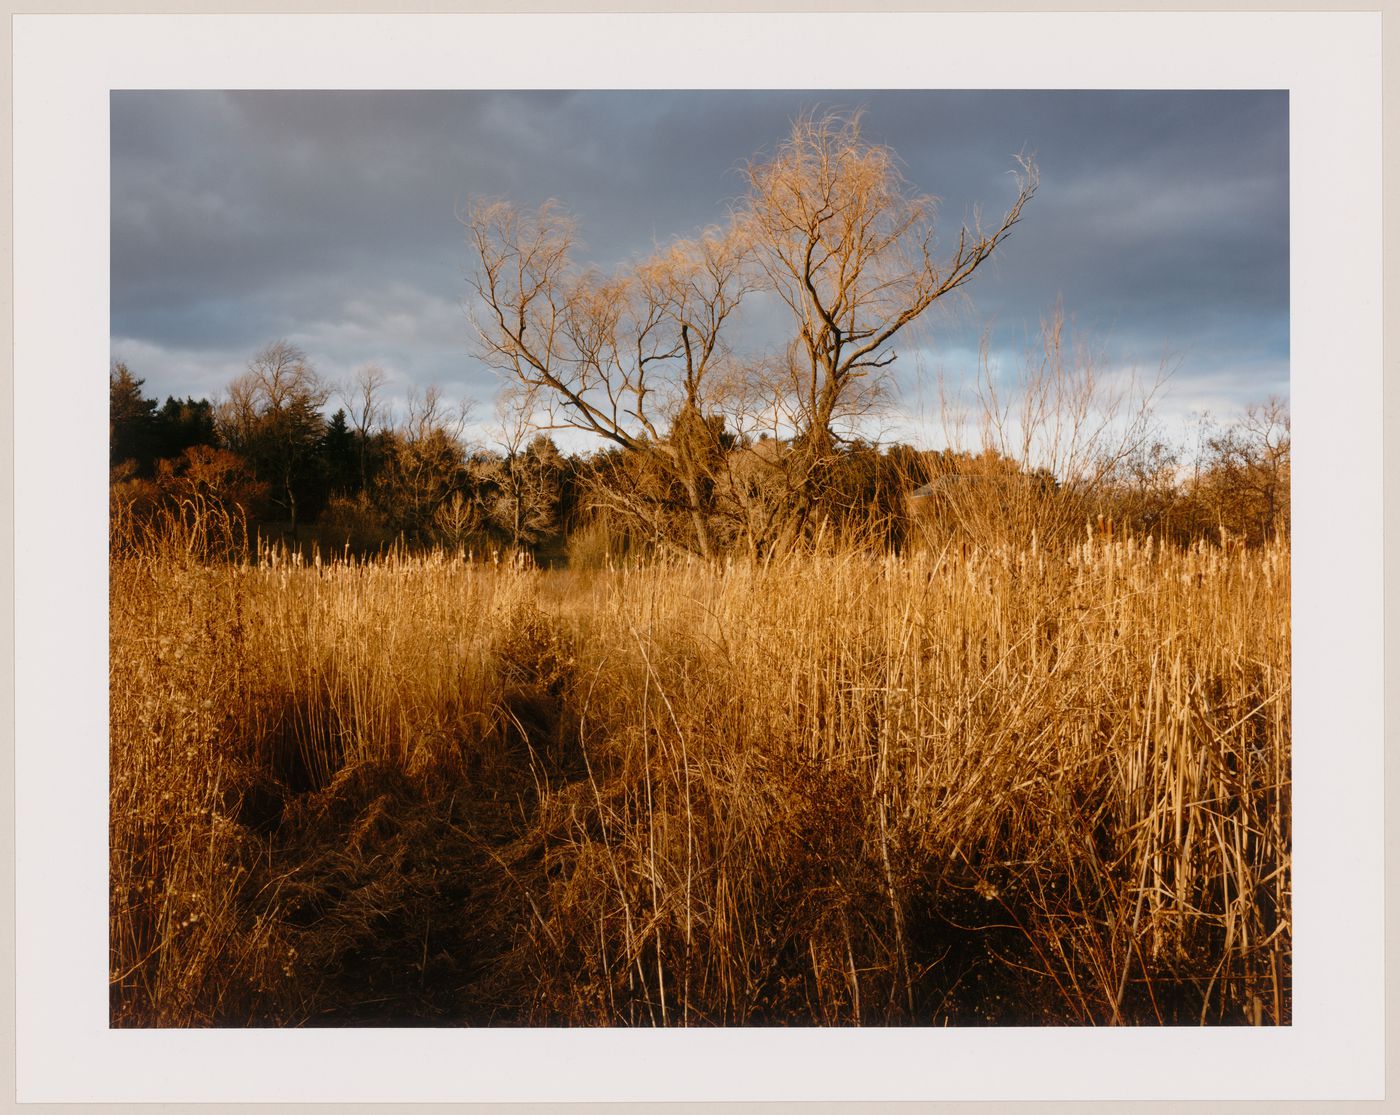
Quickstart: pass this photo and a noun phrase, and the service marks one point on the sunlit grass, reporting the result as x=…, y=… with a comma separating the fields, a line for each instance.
x=968, y=786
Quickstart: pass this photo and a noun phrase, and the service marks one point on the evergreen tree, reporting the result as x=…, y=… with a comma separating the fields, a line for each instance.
x=340, y=455
x=183, y=424
x=131, y=424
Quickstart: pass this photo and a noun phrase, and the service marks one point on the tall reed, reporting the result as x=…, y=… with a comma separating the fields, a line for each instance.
x=962, y=785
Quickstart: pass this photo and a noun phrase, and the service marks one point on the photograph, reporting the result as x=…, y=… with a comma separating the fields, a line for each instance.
x=700, y=558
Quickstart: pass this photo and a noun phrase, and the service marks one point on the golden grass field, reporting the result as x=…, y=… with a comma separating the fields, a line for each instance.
x=955, y=786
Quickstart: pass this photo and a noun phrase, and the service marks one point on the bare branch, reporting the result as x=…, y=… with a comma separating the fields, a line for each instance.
x=850, y=249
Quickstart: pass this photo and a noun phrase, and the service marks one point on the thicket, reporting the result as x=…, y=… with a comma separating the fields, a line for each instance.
x=419, y=484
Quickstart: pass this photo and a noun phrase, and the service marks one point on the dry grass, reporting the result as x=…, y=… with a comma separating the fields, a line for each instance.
x=969, y=786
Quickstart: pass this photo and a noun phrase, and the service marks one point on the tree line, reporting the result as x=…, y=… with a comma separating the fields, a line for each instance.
x=704, y=450
x=356, y=477
x=360, y=478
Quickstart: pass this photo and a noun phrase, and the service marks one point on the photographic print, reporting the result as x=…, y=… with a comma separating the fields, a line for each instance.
x=722, y=558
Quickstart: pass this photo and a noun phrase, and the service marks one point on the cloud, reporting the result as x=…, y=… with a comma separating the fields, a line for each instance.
x=421, y=338
x=180, y=371
x=331, y=217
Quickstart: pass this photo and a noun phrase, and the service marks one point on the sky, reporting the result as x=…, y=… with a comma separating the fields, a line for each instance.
x=331, y=219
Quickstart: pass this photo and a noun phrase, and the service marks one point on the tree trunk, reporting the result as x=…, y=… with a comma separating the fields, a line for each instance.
x=701, y=525
x=291, y=503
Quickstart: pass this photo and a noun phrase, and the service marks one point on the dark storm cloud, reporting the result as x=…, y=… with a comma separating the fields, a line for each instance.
x=330, y=217
x=1162, y=219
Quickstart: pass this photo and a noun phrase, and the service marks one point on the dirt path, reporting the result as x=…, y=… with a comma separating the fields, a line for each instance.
x=408, y=902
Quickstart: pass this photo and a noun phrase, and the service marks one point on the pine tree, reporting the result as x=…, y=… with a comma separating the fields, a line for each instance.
x=131, y=424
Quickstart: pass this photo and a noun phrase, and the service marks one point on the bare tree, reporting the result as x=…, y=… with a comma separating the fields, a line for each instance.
x=526, y=478
x=236, y=414
x=631, y=357
x=639, y=358
x=426, y=462
x=362, y=400
x=850, y=250
x=1245, y=473
x=1054, y=435
x=272, y=416
x=1064, y=411
x=457, y=520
